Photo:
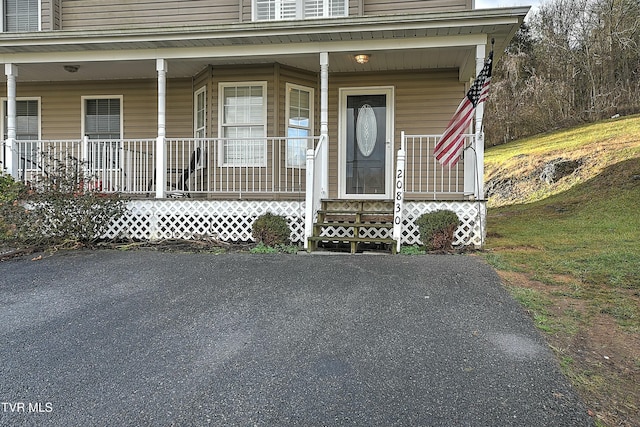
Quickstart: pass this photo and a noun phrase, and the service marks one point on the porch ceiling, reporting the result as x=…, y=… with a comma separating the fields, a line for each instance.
x=339, y=62
x=440, y=40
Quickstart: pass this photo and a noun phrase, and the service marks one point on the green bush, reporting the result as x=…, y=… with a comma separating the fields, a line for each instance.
x=437, y=228
x=271, y=230
x=59, y=206
x=12, y=213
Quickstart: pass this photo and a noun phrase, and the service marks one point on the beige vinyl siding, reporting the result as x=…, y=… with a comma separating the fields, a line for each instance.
x=45, y=15
x=387, y=7
x=425, y=100
x=80, y=14
x=61, y=106
x=50, y=15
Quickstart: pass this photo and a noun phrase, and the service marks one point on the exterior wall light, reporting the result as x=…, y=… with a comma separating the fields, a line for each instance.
x=362, y=58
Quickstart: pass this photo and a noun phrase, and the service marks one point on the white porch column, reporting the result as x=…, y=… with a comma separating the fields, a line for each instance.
x=324, y=122
x=11, y=151
x=479, y=131
x=161, y=161
x=474, y=159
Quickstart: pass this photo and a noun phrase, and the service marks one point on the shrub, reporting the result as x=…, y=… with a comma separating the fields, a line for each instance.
x=437, y=228
x=271, y=230
x=12, y=213
x=59, y=206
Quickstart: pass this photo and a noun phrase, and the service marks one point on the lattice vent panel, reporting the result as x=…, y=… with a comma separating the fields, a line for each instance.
x=191, y=219
x=472, y=214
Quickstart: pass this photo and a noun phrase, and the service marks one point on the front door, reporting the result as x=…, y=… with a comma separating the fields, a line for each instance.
x=366, y=143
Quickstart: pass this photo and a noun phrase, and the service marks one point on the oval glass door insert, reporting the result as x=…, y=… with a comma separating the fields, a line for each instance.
x=366, y=130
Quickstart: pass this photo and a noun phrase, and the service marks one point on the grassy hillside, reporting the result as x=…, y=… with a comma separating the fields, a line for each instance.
x=570, y=253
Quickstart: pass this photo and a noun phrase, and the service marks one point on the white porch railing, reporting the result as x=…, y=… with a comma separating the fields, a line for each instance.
x=109, y=165
x=419, y=175
x=314, y=192
x=425, y=176
x=237, y=166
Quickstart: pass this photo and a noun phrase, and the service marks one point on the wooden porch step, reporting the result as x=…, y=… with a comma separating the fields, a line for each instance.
x=354, y=224
x=352, y=212
x=356, y=216
x=353, y=241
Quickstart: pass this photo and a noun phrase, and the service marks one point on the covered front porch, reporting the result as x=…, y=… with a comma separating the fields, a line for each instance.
x=206, y=200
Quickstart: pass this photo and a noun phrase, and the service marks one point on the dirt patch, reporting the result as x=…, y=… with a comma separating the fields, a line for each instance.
x=599, y=357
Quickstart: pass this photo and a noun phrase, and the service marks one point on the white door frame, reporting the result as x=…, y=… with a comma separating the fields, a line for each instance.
x=389, y=91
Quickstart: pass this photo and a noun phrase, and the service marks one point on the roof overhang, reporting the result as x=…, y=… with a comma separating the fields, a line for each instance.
x=457, y=33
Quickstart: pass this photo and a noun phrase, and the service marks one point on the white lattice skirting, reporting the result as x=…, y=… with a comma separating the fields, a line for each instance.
x=231, y=221
x=228, y=221
x=472, y=214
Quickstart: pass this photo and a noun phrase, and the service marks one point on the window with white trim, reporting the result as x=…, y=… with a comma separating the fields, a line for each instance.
x=299, y=103
x=275, y=10
x=200, y=113
x=102, y=123
x=243, y=115
x=20, y=15
x=27, y=129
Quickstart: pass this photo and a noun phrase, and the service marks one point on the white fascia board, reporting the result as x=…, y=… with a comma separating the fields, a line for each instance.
x=247, y=50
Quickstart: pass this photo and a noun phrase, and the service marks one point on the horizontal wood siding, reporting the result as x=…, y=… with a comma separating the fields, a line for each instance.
x=425, y=100
x=387, y=7
x=61, y=106
x=81, y=14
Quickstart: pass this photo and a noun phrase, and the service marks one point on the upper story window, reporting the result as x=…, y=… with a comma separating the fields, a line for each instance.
x=273, y=10
x=20, y=15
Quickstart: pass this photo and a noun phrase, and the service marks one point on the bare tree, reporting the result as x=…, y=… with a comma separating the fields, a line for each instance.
x=576, y=60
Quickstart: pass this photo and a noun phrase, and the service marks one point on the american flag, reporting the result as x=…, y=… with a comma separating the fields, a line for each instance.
x=449, y=148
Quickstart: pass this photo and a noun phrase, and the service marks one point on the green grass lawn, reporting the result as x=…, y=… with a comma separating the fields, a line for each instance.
x=570, y=253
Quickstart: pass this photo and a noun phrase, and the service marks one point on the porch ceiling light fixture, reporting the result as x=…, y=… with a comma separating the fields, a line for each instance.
x=362, y=58
x=71, y=68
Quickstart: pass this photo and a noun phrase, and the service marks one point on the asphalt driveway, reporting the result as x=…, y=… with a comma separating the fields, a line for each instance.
x=153, y=339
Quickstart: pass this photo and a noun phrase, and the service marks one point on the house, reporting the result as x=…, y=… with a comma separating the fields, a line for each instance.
x=312, y=109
